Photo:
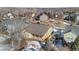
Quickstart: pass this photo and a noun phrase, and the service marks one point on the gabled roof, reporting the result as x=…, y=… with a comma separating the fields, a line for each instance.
x=37, y=29
x=71, y=36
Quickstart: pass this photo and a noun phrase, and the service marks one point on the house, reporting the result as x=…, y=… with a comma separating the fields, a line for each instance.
x=71, y=36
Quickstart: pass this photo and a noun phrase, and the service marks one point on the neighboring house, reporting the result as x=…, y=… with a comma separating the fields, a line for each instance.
x=71, y=36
